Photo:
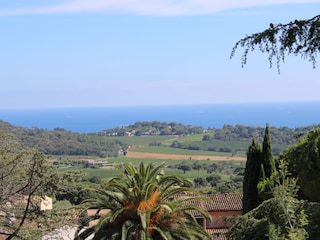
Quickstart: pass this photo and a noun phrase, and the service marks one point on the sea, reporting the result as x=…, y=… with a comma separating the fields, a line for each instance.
x=96, y=119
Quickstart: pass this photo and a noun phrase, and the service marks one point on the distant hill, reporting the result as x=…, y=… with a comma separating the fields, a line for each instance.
x=63, y=142
x=282, y=135
x=103, y=144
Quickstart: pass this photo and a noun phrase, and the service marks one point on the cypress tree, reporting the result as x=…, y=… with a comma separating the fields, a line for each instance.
x=251, y=177
x=267, y=156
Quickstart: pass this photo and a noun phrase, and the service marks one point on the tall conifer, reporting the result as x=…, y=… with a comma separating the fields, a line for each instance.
x=251, y=177
x=267, y=156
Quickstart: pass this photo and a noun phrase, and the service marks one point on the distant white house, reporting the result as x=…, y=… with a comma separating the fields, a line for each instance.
x=43, y=202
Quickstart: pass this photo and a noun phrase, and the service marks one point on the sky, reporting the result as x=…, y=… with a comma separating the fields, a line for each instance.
x=98, y=53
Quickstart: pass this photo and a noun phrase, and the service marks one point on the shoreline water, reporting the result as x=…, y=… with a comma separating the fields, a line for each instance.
x=86, y=120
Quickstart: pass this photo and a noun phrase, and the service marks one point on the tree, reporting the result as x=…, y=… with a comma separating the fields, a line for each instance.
x=260, y=168
x=196, y=166
x=280, y=217
x=143, y=205
x=206, y=137
x=299, y=37
x=211, y=168
x=251, y=177
x=304, y=164
x=184, y=167
x=24, y=174
x=267, y=156
x=200, y=181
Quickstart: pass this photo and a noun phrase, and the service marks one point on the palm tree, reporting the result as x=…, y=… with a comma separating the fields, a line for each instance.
x=143, y=205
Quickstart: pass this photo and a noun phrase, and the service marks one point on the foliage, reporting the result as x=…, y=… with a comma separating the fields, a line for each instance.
x=144, y=140
x=142, y=206
x=25, y=175
x=235, y=139
x=230, y=171
x=278, y=136
x=154, y=128
x=299, y=37
x=304, y=164
x=267, y=156
x=227, y=140
x=312, y=210
x=280, y=217
x=251, y=177
x=259, y=173
x=184, y=166
x=75, y=194
x=63, y=142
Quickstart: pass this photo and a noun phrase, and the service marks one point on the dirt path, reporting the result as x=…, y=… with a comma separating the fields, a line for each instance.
x=181, y=157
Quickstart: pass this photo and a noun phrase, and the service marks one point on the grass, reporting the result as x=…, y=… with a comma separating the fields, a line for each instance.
x=143, y=140
x=103, y=173
x=190, y=138
x=107, y=173
x=142, y=144
x=194, y=174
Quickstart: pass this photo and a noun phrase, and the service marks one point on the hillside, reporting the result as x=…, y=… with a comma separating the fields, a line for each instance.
x=63, y=142
x=110, y=142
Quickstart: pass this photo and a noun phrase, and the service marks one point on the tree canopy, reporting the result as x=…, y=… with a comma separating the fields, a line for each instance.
x=25, y=174
x=267, y=156
x=280, y=217
x=304, y=164
x=143, y=205
x=251, y=177
x=298, y=37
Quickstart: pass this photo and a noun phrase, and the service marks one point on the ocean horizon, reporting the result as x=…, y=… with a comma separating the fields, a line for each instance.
x=96, y=119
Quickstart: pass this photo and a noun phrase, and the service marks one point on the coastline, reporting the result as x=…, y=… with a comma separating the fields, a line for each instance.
x=91, y=120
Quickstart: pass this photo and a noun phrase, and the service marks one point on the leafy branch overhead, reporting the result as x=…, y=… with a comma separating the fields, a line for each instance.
x=299, y=37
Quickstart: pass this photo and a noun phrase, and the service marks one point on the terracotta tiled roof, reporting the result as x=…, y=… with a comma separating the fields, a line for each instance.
x=224, y=202
x=218, y=234
x=218, y=202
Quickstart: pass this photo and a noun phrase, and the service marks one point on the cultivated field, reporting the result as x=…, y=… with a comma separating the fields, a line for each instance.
x=132, y=154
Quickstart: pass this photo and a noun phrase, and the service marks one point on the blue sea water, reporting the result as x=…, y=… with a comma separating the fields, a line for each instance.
x=86, y=120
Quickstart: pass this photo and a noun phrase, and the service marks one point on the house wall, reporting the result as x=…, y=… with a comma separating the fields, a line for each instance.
x=218, y=219
x=45, y=203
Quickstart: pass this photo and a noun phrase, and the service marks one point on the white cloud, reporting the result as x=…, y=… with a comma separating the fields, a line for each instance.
x=148, y=7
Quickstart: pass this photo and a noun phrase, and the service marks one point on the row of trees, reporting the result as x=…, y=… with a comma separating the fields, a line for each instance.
x=204, y=147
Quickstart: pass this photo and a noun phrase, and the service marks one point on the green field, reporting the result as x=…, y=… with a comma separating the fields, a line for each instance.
x=106, y=174
x=146, y=144
x=144, y=140
x=109, y=171
x=143, y=144
x=234, y=148
x=169, y=150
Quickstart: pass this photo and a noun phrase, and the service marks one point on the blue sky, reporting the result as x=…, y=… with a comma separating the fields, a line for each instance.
x=94, y=53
